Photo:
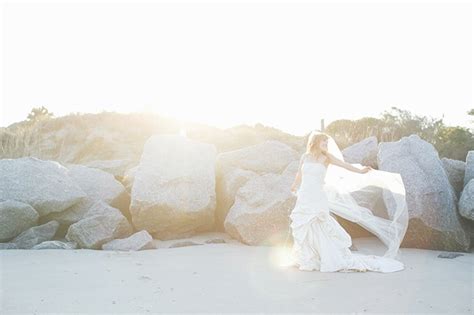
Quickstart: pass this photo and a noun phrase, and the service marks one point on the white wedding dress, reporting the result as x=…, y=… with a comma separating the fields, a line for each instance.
x=319, y=241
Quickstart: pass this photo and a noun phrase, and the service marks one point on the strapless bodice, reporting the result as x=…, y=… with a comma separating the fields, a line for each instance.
x=311, y=195
x=313, y=171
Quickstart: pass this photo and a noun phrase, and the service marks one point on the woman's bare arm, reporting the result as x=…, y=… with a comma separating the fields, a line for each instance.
x=297, y=180
x=334, y=160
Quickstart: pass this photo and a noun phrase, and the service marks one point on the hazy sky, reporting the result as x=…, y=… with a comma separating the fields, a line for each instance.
x=224, y=63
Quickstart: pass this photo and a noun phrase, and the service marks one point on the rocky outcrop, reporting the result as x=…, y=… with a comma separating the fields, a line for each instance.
x=235, y=168
x=44, y=185
x=466, y=203
x=455, y=170
x=173, y=191
x=15, y=218
x=36, y=235
x=259, y=215
x=469, y=172
x=363, y=152
x=98, y=186
x=101, y=224
x=228, y=184
x=434, y=220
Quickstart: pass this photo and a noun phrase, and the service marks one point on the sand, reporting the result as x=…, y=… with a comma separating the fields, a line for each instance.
x=218, y=278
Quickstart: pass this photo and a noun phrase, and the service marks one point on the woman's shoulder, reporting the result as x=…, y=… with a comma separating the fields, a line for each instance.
x=304, y=156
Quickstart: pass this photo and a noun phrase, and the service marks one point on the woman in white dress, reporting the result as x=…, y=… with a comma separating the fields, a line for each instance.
x=325, y=183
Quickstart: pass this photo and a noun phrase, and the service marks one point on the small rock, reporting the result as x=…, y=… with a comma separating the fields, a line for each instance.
x=183, y=244
x=102, y=223
x=36, y=235
x=55, y=245
x=8, y=246
x=215, y=241
x=449, y=255
x=139, y=241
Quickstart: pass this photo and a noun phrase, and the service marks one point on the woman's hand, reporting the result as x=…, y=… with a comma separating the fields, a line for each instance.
x=365, y=169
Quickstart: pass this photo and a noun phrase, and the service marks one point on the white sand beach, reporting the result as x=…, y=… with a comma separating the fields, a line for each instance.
x=225, y=278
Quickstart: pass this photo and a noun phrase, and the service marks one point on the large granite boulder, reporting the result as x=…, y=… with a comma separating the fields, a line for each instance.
x=466, y=203
x=139, y=241
x=45, y=185
x=455, y=170
x=15, y=218
x=469, y=172
x=36, y=235
x=235, y=168
x=260, y=213
x=363, y=152
x=101, y=224
x=227, y=186
x=270, y=156
x=98, y=186
x=173, y=193
x=434, y=220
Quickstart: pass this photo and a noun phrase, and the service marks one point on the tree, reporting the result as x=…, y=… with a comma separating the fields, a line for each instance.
x=451, y=142
x=341, y=130
x=454, y=142
x=402, y=123
x=39, y=113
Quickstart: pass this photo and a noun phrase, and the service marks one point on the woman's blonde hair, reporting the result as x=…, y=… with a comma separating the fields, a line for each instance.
x=314, y=140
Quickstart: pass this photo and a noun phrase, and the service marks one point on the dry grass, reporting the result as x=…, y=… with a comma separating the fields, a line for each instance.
x=78, y=137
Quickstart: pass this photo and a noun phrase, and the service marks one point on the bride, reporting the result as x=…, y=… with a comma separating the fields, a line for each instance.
x=325, y=183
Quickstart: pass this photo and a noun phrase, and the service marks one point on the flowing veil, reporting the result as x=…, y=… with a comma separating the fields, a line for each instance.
x=389, y=222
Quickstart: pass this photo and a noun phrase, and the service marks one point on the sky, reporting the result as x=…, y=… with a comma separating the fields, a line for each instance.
x=284, y=64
